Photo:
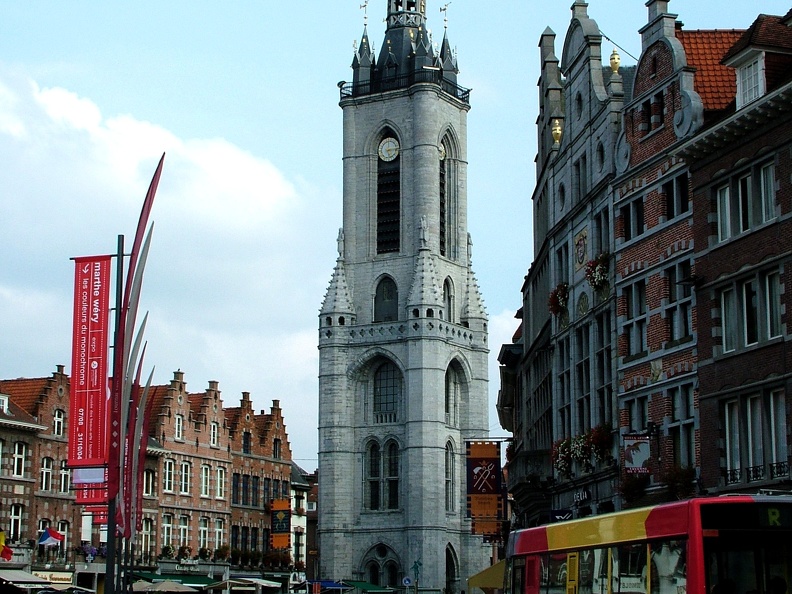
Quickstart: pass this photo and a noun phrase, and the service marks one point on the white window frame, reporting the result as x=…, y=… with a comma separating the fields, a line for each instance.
x=750, y=81
x=214, y=431
x=767, y=191
x=148, y=482
x=184, y=530
x=220, y=478
x=203, y=533
x=58, y=423
x=65, y=477
x=178, y=427
x=167, y=529
x=46, y=474
x=724, y=212
x=184, y=478
x=206, y=472
x=168, y=469
x=15, y=515
x=18, y=459
x=732, y=431
x=219, y=532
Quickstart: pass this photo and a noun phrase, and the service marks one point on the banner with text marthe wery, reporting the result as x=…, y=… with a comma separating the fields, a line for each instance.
x=89, y=378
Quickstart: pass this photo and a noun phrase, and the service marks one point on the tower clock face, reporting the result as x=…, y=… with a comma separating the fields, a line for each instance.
x=388, y=149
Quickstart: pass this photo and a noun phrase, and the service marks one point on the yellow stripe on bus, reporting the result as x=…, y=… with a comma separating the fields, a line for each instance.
x=598, y=531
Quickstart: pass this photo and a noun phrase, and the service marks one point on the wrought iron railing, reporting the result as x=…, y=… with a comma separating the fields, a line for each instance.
x=733, y=475
x=404, y=81
x=779, y=469
x=755, y=473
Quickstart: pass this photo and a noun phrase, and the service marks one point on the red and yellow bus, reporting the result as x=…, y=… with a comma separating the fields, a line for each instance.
x=709, y=545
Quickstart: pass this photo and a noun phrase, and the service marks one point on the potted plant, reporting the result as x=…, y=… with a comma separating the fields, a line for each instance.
x=558, y=299
x=601, y=438
x=597, y=271
x=562, y=457
x=167, y=552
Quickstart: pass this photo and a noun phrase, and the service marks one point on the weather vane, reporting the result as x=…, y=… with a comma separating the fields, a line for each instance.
x=364, y=6
x=444, y=9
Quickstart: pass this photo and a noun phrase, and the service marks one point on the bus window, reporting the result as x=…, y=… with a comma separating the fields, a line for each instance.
x=631, y=570
x=601, y=574
x=514, y=584
x=586, y=570
x=669, y=566
x=746, y=562
x=554, y=573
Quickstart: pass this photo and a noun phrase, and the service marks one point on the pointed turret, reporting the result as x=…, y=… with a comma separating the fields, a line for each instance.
x=337, y=304
x=448, y=62
x=425, y=290
x=363, y=62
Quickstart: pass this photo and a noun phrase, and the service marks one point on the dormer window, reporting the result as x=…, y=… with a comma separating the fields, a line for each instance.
x=750, y=81
x=4, y=404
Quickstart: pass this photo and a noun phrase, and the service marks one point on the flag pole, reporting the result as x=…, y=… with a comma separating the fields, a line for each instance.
x=110, y=568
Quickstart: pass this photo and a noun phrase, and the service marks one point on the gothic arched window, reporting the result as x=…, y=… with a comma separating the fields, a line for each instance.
x=387, y=393
x=448, y=300
x=453, y=383
x=386, y=301
x=391, y=468
x=373, y=475
x=443, y=199
x=389, y=196
x=382, y=476
x=449, y=477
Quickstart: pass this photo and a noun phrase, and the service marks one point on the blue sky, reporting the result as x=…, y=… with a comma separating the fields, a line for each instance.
x=243, y=98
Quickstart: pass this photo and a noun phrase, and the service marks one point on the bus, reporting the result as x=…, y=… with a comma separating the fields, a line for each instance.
x=736, y=544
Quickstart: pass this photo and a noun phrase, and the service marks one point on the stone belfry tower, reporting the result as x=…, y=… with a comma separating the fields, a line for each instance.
x=403, y=329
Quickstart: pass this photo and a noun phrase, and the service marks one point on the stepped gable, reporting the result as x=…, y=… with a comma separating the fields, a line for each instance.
x=705, y=50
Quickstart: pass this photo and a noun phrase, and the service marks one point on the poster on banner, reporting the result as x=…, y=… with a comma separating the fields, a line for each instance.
x=89, y=377
x=636, y=454
x=485, y=500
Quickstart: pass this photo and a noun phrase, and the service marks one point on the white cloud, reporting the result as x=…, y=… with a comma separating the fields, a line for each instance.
x=233, y=282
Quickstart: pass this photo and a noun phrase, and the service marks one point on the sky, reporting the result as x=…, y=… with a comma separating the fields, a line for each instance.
x=242, y=97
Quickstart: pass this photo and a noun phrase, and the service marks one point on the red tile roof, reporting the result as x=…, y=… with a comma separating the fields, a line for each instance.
x=714, y=82
x=24, y=392
x=766, y=31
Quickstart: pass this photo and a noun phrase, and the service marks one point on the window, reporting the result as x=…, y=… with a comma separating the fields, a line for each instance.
x=750, y=82
x=632, y=216
x=203, y=533
x=443, y=201
x=219, y=532
x=452, y=395
x=634, y=329
x=148, y=482
x=603, y=371
x=246, y=442
x=276, y=448
x=184, y=530
x=245, y=489
x=234, y=537
x=754, y=204
x=18, y=461
x=386, y=301
x=254, y=538
x=680, y=293
x=206, y=472
x=178, y=427
x=214, y=431
x=382, y=477
x=387, y=392
x=254, y=491
x=167, y=529
x=184, y=483
x=236, y=480
x=751, y=310
x=275, y=489
x=147, y=533
x=220, y=475
x=637, y=413
x=677, y=198
x=46, y=474
x=15, y=516
x=388, y=203
x=602, y=229
x=562, y=263
x=564, y=388
x=63, y=528
x=580, y=180
x=583, y=378
x=285, y=489
x=58, y=423
x=448, y=300
x=755, y=437
x=450, y=500
x=65, y=476
x=681, y=427
x=167, y=476
x=266, y=496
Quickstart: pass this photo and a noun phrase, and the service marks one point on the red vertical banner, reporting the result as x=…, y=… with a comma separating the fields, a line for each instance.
x=484, y=489
x=90, y=336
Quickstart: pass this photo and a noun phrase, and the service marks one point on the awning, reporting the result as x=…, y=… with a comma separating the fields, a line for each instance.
x=243, y=584
x=17, y=577
x=367, y=587
x=196, y=581
x=489, y=579
x=323, y=585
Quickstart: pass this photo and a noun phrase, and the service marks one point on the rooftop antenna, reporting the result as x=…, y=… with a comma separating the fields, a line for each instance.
x=444, y=9
x=364, y=6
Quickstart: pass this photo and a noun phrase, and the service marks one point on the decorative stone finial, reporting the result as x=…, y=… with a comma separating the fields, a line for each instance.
x=615, y=60
x=556, y=130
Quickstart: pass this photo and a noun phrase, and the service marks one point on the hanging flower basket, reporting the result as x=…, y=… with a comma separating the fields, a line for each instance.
x=597, y=271
x=558, y=299
x=601, y=438
x=580, y=447
x=562, y=457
